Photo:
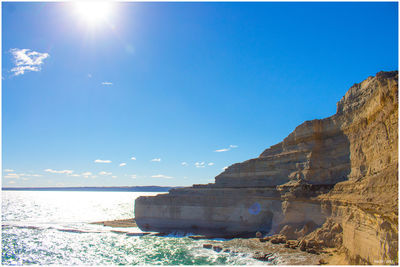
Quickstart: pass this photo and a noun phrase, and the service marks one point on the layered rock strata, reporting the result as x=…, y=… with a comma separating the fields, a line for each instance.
x=342, y=170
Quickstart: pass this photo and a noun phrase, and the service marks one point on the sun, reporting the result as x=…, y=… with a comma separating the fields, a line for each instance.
x=93, y=12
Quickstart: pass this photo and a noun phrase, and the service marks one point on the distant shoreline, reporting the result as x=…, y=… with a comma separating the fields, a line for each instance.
x=95, y=189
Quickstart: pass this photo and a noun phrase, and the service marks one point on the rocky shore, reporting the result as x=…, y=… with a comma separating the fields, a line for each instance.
x=332, y=184
x=118, y=223
x=273, y=253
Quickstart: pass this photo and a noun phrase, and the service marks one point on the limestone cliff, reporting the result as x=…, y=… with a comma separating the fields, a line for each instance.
x=340, y=173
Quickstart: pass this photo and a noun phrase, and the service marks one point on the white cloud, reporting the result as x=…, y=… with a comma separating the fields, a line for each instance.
x=19, y=175
x=133, y=158
x=75, y=175
x=104, y=173
x=211, y=164
x=114, y=176
x=12, y=176
x=11, y=182
x=122, y=164
x=184, y=163
x=222, y=150
x=102, y=161
x=63, y=171
x=27, y=60
x=133, y=176
x=87, y=174
x=156, y=160
x=200, y=164
x=161, y=176
x=226, y=149
x=8, y=170
x=107, y=83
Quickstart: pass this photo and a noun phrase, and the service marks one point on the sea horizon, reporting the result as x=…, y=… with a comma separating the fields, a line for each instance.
x=150, y=188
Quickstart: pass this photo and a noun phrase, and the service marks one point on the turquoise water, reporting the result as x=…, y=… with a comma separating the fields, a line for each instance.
x=53, y=228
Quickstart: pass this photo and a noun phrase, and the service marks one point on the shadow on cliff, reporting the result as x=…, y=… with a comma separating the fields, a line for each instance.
x=328, y=162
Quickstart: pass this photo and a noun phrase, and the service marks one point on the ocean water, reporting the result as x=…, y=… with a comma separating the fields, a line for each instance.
x=54, y=228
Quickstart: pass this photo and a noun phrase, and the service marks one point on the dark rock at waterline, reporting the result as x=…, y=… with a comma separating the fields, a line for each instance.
x=207, y=246
x=262, y=240
x=303, y=246
x=263, y=256
x=135, y=234
x=217, y=248
x=312, y=251
x=160, y=234
x=291, y=244
x=322, y=261
x=278, y=239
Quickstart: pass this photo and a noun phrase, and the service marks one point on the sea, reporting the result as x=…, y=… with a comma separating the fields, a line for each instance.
x=54, y=228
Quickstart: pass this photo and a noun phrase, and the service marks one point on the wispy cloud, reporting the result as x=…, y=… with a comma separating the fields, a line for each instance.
x=62, y=172
x=122, y=164
x=105, y=173
x=156, y=160
x=211, y=164
x=89, y=75
x=184, y=164
x=222, y=150
x=27, y=60
x=133, y=176
x=107, y=83
x=161, y=176
x=18, y=175
x=133, y=158
x=102, y=161
x=8, y=170
x=226, y=149
x=114, y=176
x=200, y=164
x=11, y=176
x=35, y=175
x=86, y=174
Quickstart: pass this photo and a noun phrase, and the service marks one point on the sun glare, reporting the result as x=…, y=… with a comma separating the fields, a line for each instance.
x=93, y=12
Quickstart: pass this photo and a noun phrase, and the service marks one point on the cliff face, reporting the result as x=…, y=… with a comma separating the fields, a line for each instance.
x=339, y=173
x=366, y=205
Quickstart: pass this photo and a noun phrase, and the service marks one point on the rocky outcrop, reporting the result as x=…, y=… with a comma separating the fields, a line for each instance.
x=338, y=173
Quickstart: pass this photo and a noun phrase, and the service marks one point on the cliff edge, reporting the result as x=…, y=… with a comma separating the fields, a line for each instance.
x=330, y=183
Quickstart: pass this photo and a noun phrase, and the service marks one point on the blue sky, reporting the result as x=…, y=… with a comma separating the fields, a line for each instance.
x=174, y=82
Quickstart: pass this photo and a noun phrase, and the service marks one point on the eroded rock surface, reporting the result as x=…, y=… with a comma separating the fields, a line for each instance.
x=340, y=173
